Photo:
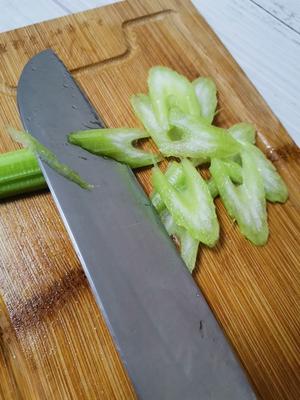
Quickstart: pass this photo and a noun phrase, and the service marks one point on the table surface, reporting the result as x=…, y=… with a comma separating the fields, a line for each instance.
x=262, y=35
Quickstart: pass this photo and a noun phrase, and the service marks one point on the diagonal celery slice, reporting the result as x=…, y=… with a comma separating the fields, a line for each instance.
x=275, y=188
x=115, y=143
x=175, y=176
x=192, y=208
x=188, y=245
x=143, y=109
x=198, y=139
x=243, y=132
x=167, y=87
x=246, y=203
x=206, y=92
x=195, y=138
x=46, y=155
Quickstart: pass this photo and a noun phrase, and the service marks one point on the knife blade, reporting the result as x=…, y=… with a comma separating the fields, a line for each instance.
x=151, y=304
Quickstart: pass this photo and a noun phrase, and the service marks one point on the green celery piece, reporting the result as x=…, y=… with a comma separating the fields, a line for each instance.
x=212, y=188
x=243, y=132
x=198, y=139
x=192, y=208
x=188, y=245
x=46, y=155
x=143, y=109
x=275, y=188
x=117, y=144
x=188, y=248
x=19, y=173
x=246, y=203
x=168, y=88
x=206, y=92
x=175, y=176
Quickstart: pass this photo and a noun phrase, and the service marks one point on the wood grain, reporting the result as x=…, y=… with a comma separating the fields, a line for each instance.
x=52, y=330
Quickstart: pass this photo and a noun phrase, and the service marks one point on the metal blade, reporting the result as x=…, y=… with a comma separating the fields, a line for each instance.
x=167, y=336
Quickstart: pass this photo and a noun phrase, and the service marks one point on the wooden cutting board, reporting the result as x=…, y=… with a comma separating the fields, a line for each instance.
x=54, y=343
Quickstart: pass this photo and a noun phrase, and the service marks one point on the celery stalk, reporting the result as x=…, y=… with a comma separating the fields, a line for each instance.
x=117, y=144
x=246, y=203
x=275, y=188
x=198, y=139
x=243, y=132
x=20, y=173
x=206, y=92
x=188, y=245
x=168, y=88
x=46, y=155
x=192, y=207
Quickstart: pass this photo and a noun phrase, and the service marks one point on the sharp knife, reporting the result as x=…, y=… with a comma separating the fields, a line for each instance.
x=150, y=302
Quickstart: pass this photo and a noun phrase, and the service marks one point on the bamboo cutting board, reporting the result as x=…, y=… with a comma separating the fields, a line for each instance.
x=54, y=343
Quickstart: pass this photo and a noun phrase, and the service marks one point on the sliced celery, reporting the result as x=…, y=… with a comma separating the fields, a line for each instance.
x=275, y=188
x=46, y=155
x=206, y=92
x=175, y=176
x=117, y=144
x=192, y=208
x=243, y=132
x=168, y=88
x=188, y=245
x=198, y=139
x=19, y=173
x=246, y=203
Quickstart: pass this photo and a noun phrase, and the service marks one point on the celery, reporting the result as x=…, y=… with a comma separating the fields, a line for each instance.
x=46, y=155
x=192, y=207
x=188, y=245
x=20, y=173
x=117, y=144
x=168, y=88
x=243, y=132
x=206, y=92
x=246, y=203
x=275, y=188
x=198, y=139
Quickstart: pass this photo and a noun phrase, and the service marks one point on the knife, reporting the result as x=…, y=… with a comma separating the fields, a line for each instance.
x=150, y=302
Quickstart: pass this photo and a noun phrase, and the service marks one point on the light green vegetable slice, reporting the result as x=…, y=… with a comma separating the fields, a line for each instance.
x=246, y=203
x=117, y=144
x=20, y=173
x=143, y=109
x=188, y=245
x=168, y=88
x=192, y=208
x=206, y=92
x=175, y=176
x=46, y=155
x=243, y=132
x=275, y=188
x=196, y=139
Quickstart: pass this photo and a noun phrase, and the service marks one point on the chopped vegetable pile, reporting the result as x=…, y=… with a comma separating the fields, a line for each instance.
x=178, y=116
